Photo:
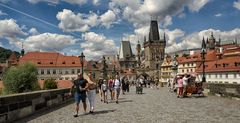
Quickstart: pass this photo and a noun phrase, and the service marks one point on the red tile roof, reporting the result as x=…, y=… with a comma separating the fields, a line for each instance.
x=226, y=64
x=51, y=59
x=211, y=55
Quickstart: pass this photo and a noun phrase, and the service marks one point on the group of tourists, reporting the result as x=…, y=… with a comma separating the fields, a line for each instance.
x=185, y=84
x=84, y=87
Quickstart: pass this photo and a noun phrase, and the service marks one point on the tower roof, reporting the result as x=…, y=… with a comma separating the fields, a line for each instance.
x=125, y=50
x=154, y=33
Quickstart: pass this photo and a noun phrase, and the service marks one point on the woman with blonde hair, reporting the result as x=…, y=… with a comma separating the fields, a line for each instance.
x=91, y=91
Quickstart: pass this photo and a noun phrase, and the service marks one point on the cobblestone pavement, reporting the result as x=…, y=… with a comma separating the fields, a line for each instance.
x=154, y=106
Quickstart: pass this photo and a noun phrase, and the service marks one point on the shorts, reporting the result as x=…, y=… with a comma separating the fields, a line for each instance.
x=117, y=91
x=78, y=97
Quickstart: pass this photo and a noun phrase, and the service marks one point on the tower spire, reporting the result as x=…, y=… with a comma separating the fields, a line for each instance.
x=154, y=33
x=203, y=43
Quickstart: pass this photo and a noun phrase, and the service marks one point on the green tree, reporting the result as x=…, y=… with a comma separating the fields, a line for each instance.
x=50, y=84
x=22, y=78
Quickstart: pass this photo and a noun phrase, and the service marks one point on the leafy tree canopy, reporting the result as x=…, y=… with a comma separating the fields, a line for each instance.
x=22, y=78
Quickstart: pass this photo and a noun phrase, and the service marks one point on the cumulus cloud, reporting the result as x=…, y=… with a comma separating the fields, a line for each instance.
x=10, y=29
x=80, y=22
x=139, y=12
x=108, y=18
x=218, y=15
x=33, y=31
x=97, y=45
x=48, y=42
x=194, y=40
x=2, y=13
x=236, y=4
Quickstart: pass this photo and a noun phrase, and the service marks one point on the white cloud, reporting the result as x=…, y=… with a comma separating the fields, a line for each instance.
x=218, y=15
x=33, y=31
x=167, y=21
x=2, y=13
x=1, y=45
x=108, y=18
x=194, y=40
x=80, y=22
x=97, y=45
x=236, y=4
x=10, y=29
x=48, y=42
x=139, y=12
x=96, y=2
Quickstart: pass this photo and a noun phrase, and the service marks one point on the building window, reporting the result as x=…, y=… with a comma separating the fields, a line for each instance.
x=192, y=64
x=64, y=62
x=220, y=75
x=73, y=71
x=60, y=78
x=60, y=71
x=78, y=71
x=73, y=62
x=209, y=75
x=39, y=62
x=42, y=71
x=182, y=71
x=51, y=62
x=48, y=71
x=183, y=65
x=66, y=72
x=157, y=66
x=226, y=75
x=54, y=71
x=235, y=75
x=191, y=70
x=216, y=76
x=66, y=78
x=187, y=70
x=188, y=64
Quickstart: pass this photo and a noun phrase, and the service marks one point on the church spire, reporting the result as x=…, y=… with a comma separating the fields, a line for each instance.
x=154, y=33
x=203, y=43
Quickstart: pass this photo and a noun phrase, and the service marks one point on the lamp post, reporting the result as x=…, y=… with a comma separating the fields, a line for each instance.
x=82, y=61
x=203, y=53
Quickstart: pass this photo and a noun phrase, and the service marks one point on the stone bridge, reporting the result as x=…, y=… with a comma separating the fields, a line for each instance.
x=154, y=106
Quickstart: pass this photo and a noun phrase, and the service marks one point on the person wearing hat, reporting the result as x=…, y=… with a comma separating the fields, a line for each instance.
x=78, y=89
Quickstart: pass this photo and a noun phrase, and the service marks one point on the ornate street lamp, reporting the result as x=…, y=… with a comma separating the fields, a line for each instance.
x=82, y=61
x=203, y=53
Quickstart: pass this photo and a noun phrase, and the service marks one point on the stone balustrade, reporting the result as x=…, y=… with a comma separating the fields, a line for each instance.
x=225, y=90
x=13, y=107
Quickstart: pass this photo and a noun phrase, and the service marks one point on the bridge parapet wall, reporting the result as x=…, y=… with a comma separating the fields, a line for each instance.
x=13, y=107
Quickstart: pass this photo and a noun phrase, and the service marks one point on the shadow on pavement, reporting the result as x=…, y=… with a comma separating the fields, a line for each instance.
x=103, y=112
x=120, y=101
x=42, y=112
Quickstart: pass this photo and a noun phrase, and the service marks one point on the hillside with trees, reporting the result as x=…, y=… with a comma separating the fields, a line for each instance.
x=5, y=53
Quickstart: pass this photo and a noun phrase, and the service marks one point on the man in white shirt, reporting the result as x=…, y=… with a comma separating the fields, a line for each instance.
x=117, y=86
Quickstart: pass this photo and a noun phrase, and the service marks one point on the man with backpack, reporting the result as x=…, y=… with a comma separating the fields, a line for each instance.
x=79, y=88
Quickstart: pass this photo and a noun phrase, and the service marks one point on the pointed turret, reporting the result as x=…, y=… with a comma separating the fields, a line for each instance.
x=154, y=33
x=203, y=43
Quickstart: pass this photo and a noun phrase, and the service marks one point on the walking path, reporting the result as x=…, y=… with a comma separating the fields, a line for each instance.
x=154, y=106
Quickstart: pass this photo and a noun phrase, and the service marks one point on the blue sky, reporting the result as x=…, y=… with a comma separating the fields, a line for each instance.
x=97, y=26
